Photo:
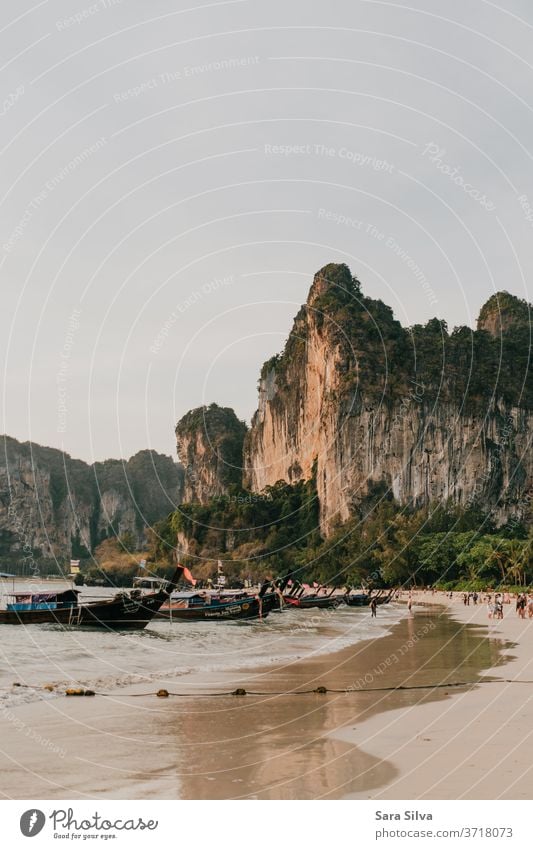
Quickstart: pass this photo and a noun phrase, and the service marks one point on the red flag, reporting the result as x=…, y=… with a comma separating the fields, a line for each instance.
x=187, y=575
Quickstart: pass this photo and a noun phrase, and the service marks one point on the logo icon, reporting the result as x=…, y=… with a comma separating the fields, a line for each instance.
x=32, y=822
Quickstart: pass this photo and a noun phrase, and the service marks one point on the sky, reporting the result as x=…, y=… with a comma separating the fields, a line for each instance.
x=173, y=174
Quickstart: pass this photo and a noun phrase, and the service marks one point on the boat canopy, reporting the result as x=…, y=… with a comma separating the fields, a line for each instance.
x=142, y=582
x=189, y=595
x=39, y=598
x=42, y=601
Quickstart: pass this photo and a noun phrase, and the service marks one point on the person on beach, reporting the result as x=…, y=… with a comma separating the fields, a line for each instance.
x=521, y=606
x=410, y=604
x=489, y=606
x=373, y=607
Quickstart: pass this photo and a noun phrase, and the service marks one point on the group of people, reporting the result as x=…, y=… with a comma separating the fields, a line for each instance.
x=469, y=597
x=495, y=607
x=524, y=603
x=495, y=603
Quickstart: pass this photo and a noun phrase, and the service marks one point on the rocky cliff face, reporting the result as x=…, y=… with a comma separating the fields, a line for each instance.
x=373, y=409
x=52, y=506
x=210, y=444
x=502, y=313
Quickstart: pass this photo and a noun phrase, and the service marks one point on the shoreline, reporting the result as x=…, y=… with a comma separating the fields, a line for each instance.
x=477, y=745
x=271, y=746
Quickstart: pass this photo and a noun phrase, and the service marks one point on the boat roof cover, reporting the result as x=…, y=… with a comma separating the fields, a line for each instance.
x=190, y=594
x=48, y=596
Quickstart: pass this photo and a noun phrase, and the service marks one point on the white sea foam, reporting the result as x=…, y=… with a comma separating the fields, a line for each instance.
x=36, y=656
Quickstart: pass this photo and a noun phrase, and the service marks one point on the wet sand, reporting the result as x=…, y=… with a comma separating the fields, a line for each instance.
x=474, y=746
x=265, y=747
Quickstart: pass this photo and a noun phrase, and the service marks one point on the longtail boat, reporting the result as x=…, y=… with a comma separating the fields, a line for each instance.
x=363, y=599
x=298, y=597
x=126, y=610
x=195, y=606
x=34, y=608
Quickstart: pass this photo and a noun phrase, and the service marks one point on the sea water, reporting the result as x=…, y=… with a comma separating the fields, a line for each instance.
x=33, y=656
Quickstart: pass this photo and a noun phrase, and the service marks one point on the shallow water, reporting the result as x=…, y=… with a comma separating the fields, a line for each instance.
x=286, y=746
x=36, y=655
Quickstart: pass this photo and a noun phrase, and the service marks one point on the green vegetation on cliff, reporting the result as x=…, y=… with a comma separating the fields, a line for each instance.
x=385, y=545
x=222, y=435
x=379, y=359
x=54, y=507
x=377, y=362
x=255, y=532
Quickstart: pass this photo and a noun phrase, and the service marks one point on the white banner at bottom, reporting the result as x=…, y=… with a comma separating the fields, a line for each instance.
x=262, y=824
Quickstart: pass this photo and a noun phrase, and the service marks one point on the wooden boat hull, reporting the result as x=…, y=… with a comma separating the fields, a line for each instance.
x=120, y=613
x=323, y=602
x=61, y=616
x=356, y=600
x=364, y=600
x=248, y=608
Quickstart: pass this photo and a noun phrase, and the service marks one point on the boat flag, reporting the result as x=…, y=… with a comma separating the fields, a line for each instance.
x=187, y=575
x=221, y=578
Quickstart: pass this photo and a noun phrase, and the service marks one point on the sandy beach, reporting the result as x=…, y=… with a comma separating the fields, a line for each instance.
x=372, y=742
x=472, y=746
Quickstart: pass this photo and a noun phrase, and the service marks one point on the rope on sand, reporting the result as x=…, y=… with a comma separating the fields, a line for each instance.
x=240, y=691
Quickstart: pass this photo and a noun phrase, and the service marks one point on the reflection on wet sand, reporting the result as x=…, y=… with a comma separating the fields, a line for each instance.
x=278, y=746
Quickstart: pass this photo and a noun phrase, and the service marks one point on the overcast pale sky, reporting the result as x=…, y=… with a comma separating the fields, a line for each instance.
x=172, y=178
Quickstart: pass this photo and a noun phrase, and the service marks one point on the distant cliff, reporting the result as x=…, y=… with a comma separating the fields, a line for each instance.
x=210, y=447
x=377, y=410
x=52, y=506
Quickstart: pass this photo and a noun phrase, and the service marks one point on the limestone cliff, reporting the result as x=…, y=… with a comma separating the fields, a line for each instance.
x=374, y=409
x=502, y=312
x=210, y=444
x=52, y=506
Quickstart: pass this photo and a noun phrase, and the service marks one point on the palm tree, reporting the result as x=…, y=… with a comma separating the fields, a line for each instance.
x=500, y=557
